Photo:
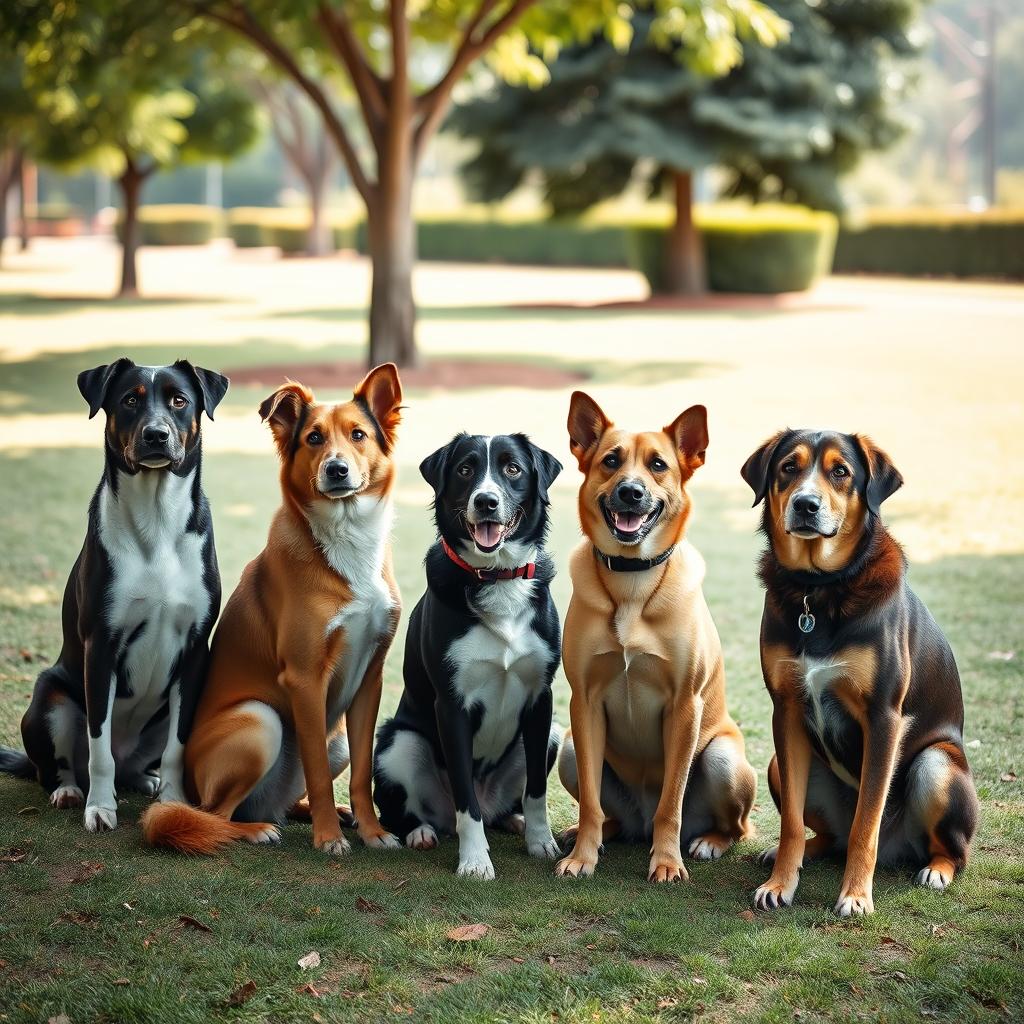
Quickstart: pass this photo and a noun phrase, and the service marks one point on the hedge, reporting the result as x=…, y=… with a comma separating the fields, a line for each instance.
x=285, y=228
x=176, y=224
x=934, y=242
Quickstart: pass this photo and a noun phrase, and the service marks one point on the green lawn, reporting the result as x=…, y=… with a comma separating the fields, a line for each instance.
x=99, y=928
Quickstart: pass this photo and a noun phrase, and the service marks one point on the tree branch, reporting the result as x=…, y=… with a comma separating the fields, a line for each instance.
x=335, y=25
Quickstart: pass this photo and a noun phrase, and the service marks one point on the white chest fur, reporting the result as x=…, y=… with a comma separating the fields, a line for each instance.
x=353, y=535
x=817, y=676
x=156, y=594
x=498, y=664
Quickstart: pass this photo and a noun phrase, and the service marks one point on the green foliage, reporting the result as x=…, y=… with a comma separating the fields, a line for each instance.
x=178, y=224
x=926, y=241
x=288, y=229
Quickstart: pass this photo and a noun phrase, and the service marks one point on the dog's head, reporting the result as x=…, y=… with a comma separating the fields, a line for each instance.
x=633, y=500
x=332, y=452
x=491, y=496
x=153, y=412
x=821, y=489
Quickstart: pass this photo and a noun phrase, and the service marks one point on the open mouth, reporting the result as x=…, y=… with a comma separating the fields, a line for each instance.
x=631, y=527
x=488, y=534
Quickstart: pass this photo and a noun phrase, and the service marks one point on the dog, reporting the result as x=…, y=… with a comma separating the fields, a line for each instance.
x=652, y=753
x=868, y=714
x=303, y=638
x=472, y=742
x=113, y=712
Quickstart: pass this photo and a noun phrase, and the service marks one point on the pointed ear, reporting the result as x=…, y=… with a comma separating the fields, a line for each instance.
x=586, y=424
x=884, y=479
x=95, y=383
x=212, y=386
x=755, y=469
x=286, y=410
x=380, y=394
x=546, y=466
x=689, y=433
x=434, y=467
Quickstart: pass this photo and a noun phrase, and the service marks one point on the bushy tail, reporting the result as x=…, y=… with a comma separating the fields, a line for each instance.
x=16, y=763
x=192, y=830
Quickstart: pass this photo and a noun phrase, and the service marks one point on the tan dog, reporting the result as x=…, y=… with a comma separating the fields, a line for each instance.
x=643, y=658
x=303, y=638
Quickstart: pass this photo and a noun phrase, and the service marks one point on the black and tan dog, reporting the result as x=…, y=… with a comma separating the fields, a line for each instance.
x=868, y=714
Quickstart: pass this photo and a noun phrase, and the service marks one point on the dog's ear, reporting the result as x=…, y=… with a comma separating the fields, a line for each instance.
x=285, y=410
x=380, y=393
x=95, y=383
x=586, y=424
x=434, y=467
x=884, y=479
x=755, y=469
x=545, y=465
x=689, y=433
x=212, y=386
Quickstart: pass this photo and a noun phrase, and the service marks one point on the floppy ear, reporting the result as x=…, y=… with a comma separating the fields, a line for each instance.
x=755, y=469
x=95, y=383
x=285, y=410
x=434, y=467
x=212, y=386
x=586, y=425
x=689, y=433
x=545, y=464
x=380, y=393
x=884, y=479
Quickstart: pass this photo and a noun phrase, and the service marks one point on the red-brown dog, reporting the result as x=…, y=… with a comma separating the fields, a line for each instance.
x=303, y=638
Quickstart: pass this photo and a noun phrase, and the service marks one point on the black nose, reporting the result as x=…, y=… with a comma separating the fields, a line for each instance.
x=806, y=504
x=336, y=469
x=630, y=492
x=486, y=502
x=156, y=433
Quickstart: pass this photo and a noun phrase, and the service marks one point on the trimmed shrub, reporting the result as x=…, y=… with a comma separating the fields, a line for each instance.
x=767, y=249
x=287, y=228
x=245, y=226
x=175, y=224
x=934, y=242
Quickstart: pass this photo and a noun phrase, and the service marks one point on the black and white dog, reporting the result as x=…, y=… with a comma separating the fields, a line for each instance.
x=472, y=742
x=139, y=604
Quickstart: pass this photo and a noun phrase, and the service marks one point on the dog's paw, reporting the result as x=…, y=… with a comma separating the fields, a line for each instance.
x=709, y=847
x=855, y=905
x=767, y=857
x=774, y=894
x=148, y=784
x=100, y=819
x=667, y=869
x=423, y=837
x=575, y=867
x=476, y=865
x=382, y=841
x=515, y=824
x=933, y=877
x=64, y=797
x=270, y=835
x=543, y=846
x=339, y=847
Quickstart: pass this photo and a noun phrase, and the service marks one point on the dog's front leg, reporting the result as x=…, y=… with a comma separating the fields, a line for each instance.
x=100, y=691
x=680, y=731
x=587, y=715
x=182, y=697
x=456, y=733
x=882, y=736
x=536, y=741
x=793, y=752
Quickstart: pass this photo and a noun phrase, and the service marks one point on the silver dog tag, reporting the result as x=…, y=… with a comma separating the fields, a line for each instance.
x=806, y=620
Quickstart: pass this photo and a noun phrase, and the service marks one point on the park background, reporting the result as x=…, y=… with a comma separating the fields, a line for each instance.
x=571, y=231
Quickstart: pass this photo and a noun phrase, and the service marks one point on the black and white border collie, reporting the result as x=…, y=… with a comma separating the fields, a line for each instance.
x=473, y=741
x=114, y=710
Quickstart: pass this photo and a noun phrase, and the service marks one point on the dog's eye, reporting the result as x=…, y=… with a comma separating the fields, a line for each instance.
x=611, y=460
x=658, y=465
x=179, y=401
x=512, y=470
x=840, y=471
x=789, y=467
x=315, y=438
x=358, y=435
x=131, y=401
x=465, y=470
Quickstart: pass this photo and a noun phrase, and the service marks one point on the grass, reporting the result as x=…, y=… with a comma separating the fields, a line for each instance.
x=99, y=928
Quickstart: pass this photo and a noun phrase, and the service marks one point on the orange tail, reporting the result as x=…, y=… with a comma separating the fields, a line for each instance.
x=192, y=830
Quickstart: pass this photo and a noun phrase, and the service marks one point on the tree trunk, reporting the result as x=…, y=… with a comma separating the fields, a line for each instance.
x=319, y=241
x=131, y=191
x=685, y=274
x=7, y=166
x=25, y=172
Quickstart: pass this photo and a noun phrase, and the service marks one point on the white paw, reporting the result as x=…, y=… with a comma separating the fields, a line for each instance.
x=854, y=906
x=932, y=879
x=335, y=847
x=421, y=838
x=100, y=819
x=386, y=841
x=703, y=849
x=270, y=834
x=767, y=857
x=67, y=796
x=543, y=846
x=773, y=896
x=476, y=865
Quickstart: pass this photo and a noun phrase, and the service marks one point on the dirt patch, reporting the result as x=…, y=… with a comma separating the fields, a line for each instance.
x=443, y=374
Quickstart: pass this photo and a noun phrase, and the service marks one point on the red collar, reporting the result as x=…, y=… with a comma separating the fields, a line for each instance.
x=523, y=572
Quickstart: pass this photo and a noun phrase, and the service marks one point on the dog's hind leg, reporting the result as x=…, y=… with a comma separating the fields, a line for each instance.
x=622, y=815
x=53, y=731
x=338, y=759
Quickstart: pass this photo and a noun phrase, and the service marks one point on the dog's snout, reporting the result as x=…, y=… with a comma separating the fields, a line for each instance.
x=156, y=433
x=806, y=504
x=630, y=492
x=485, y=502
x=336, y=469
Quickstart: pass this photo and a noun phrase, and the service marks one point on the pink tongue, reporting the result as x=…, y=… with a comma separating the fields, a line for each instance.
x=627, y=522
x=487, y=534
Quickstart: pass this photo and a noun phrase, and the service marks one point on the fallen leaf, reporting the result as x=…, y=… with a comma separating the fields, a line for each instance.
x=856, y=989
x=467, y=932
x=518, y=960
x=748, y=915
x=190, y=922
x=243, y=993
x=973, y=744
x=309, y=989
x=1008, y=777
x=61, y=1018
x=666, y=1001
x=127, y=906
x=79, y=917
x=898, y=975
x=1001, y=655
x=13, y=855
x=368, y=906
x=26, y=811
x=121, y=981
x=700, y=981
x=311, y=959
x=86, y=871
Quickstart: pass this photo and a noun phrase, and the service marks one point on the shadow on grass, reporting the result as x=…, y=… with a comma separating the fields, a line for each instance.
x=28, y=304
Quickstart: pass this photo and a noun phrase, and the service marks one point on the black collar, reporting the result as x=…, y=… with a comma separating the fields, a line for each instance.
x=617, y=563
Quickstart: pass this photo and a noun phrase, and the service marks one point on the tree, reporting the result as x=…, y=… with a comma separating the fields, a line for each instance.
x=787, y=122
x=17, y=114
